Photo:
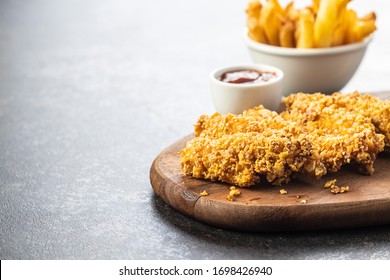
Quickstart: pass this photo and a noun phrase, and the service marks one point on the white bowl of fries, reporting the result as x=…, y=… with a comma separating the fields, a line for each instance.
x=319, y=47
x=325, y=70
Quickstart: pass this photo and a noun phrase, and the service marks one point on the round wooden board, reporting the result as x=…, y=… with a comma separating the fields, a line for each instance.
x=263, y=208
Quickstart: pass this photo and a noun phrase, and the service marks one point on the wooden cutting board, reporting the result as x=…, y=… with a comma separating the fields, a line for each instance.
x=263, y=208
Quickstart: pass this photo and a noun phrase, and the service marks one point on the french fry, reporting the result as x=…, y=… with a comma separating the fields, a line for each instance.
x=286, y=35
x=326, y=21
x=305, y=29
x=316, y=5
x=351, y=19
x=287, y=31
x=269, y=21
x=277, y=7
x=254, y=7
x=291, y=13
x=255, y=31
x=339, y=34
x=358, y=29
x=371, y=16
x=365, y=26
x=363, y=29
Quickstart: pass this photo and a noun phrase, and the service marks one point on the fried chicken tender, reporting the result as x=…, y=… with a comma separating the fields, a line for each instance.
x=257, y=119
x=367, y=105
x=340, y=126
x=241, y=158
x=237, y=149
x=316, y=134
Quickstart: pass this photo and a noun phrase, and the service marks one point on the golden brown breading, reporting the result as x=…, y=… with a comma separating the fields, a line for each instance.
x=364, y=104
x=216, y=153
x=257, y=119
x=241, y=158
x=316, y=134
x=341, y=134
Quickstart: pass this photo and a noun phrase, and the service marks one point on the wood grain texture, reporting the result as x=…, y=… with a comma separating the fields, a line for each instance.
x=263, y=208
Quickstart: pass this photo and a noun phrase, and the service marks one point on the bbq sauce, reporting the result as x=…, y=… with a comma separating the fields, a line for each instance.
x=248, y=76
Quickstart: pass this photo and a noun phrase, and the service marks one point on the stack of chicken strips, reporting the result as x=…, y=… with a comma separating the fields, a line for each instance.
x=316, y=134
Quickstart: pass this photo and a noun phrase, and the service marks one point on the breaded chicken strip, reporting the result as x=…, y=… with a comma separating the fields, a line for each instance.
x=338, y=130
x=256, y=134
x=364, y=104
x=257, y=119
x=241, y=158
x=316, y=134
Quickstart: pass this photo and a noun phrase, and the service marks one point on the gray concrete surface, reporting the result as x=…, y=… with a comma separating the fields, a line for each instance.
x=91, y=92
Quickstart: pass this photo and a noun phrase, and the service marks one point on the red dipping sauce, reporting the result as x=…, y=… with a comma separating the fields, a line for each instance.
x=247, y=76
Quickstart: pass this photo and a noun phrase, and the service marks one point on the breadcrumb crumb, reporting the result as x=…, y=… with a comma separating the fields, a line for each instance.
x=303, y=201
x=282, y=191
x=336, y=189
x=233, y=192
x=330, y=183
x=204, y=193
